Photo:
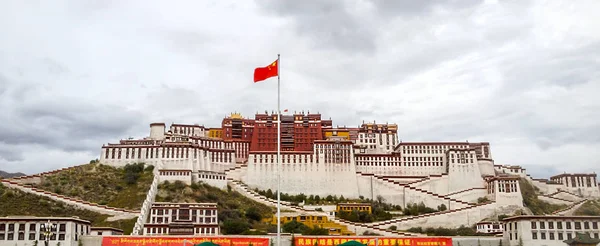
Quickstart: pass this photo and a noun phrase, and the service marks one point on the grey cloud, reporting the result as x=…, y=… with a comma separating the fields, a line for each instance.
x=442, y=70
x=328, y=24
x=10, y=155
x=411, y=8
x=61, y=122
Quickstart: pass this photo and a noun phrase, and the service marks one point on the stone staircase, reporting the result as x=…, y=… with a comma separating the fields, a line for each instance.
x=352, y=226
x=570, y=209
x=143, y=216
x=415, y=221
x=400, y=186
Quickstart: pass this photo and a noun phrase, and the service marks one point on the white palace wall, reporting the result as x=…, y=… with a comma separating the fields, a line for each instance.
x=464, y=176
x=453, y=219
x=470, y=195
x=400, y=170
x=436, y=184
x=317, y=177
x=370, y=186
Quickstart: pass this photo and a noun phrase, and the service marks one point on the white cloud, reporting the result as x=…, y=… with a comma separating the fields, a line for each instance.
x=522, y=75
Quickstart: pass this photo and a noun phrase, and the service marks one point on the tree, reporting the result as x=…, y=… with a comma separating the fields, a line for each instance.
x=293, y=243
x=380, y=199
x=253, y=214
x=235, y=226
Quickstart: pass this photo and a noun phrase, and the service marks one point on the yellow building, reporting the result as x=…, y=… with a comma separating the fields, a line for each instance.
x=336, y=133
x=311, y=221
x=215, y=133
x=349, y=207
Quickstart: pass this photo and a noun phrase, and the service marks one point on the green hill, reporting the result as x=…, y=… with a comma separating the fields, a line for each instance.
x=589, y=208
x=124, y=187
x=530, y=199
x=237, y=213
x=16, y=202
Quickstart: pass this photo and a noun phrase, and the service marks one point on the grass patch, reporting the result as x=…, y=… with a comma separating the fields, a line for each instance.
x=589, y=208
x=237, y=213
x=531, y=201
x=124, y=187
x=15, y=202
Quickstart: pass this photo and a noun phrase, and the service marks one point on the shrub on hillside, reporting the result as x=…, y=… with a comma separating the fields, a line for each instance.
x=531, y=201
x=133, y=172
x=413, y=209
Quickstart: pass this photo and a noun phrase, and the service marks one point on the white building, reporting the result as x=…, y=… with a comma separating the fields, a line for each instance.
x=490, y=227
x=548, y=230
x=582, y=184
x=105, y=231
x=26, y=230
x=200, y=219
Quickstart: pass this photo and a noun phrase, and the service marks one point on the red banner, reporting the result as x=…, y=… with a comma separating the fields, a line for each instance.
x=179, y=241
x=373, y=241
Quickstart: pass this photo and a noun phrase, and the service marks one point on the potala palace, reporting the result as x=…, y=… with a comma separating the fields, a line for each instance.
x=366, y=161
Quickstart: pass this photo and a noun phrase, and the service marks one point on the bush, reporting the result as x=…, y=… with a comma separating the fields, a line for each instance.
x=530, y=200
x=418, y=209
x=253, y=214
x=235, y=227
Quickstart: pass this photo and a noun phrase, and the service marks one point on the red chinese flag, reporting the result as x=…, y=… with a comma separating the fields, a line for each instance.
x=262, y=73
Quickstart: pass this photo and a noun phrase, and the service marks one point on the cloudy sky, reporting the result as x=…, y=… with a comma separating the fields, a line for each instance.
x=523, y=75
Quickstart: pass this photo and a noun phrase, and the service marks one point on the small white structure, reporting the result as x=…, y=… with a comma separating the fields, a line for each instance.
x=490, y=227
x=548, y=230
x=105, y=231
x=26, y=230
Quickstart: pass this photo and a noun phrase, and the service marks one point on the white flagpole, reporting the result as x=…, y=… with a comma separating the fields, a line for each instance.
x=278, y=155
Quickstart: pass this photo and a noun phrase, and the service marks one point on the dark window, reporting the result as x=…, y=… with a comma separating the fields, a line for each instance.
x=31, y=236
x=533, y=225
x=577, y=225
x=62, y=227
x=11, y=227
x=32, y=227
x=542, y=225
x=550, y=225
x=10, y=237
x=21, y=236
x=534, y=235
x=560, y=236
x=594, y=225
x=21, y=227
x=2, y=227
x=559, y=224
x=61, y=237
x=568, y=224
x=551, y=234
x=543, y=235
x=586, y=225
x=1, y=236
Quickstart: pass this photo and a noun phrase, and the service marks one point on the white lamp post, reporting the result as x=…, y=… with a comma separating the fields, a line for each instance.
x=48, y=230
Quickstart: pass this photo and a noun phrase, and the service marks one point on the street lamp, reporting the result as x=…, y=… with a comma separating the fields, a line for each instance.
x=48, y=230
